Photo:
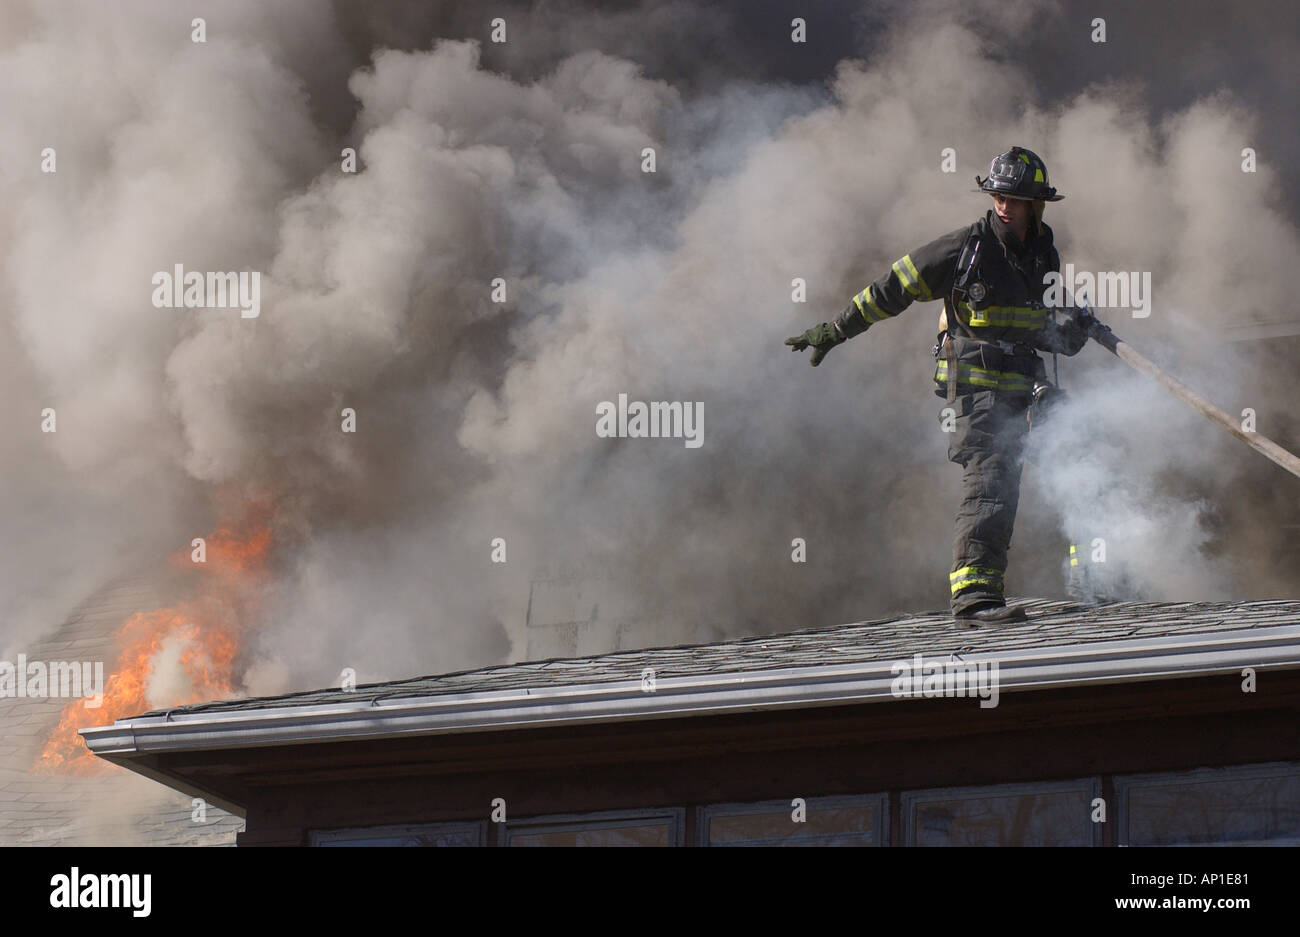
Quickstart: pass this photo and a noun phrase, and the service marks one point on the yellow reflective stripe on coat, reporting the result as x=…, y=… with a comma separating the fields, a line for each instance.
x=1074, y=560
x=867, y=306
x=1005, y=317
x=985, y=378
x=911, y=279
x=969, y=576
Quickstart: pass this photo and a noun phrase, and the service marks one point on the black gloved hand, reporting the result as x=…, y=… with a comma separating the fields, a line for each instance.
x=822, y=338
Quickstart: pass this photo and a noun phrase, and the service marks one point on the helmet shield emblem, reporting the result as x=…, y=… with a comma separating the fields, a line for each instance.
x=1018, y=173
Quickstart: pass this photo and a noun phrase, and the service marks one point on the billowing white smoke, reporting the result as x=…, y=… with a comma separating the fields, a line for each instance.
x=1102, y=459
x=476, y=420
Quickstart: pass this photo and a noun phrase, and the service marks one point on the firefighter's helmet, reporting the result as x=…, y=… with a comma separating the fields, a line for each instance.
x=1018, y=173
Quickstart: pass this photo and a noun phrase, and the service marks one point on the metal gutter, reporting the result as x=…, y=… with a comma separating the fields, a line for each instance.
x=1128, y=661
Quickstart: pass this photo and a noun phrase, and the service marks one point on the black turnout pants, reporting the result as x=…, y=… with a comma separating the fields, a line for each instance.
x=989, y=444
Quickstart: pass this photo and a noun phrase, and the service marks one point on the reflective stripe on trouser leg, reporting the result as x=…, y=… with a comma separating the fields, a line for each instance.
x=969, y=577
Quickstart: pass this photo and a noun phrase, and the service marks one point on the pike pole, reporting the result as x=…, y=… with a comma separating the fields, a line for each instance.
x=1261, y=444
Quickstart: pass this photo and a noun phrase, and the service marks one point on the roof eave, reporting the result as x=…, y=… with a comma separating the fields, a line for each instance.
x=1034, y=669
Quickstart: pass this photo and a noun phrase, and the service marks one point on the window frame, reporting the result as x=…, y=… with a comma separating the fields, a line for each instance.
x=1090, y=785
x=705, y=813
x=604, y=819
x=1125, y=783
x=347, y=835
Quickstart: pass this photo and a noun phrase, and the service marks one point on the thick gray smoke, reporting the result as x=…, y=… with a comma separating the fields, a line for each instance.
x=476, y=420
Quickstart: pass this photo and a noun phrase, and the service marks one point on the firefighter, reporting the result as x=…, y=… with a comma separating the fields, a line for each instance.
x=990, y=277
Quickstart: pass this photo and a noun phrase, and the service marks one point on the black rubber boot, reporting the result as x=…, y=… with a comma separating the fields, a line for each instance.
x=994, y=613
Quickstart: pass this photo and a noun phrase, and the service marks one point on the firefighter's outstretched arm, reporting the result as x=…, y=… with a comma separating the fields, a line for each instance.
x=925, y=278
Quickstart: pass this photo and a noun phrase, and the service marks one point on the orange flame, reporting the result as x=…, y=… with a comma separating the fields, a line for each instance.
x=203, y=634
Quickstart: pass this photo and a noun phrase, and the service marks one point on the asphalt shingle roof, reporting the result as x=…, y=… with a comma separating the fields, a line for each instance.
x=115, y=807
x=1052, y=624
